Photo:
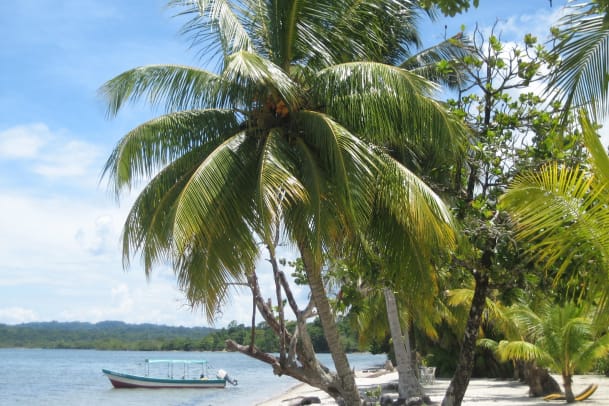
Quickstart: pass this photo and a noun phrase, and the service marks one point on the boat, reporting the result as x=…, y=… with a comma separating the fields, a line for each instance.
x=178, y=374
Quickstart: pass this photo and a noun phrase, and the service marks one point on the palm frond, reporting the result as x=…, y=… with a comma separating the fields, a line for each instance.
x=349, y=162
x=251, y=73
x=592, y=351
x=278, y=185
x=386, y=105
x=582, y=77
x=148, y=228
x=598, y=153
x=178, y=87
x=217, y=196
x=281, y=29
x=523, y=351
x=488, y=344
x=152, y=145
x=420, y=225
x=425, y=63
x=557, y=210
x=215, y=23
x=331, y=32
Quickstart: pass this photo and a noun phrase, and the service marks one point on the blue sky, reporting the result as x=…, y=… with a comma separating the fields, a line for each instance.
x=59, y=227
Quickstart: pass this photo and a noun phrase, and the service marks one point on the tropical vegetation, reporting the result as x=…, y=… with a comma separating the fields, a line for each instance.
x=561, y=337
x=287, y=137
x=118, y=336
x=317, y=129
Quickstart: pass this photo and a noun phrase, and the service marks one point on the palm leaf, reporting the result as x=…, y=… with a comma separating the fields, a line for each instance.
x=179, y=87
x=148, y=226
x=582, y=77
x=557, y=210
x=598, y=153
x=217, y=196
x=249, y=73
x=523, y=351
x=386, y=105
x=216, y=23
x=425, y=63
x=277, y=184
x=415, y=206
x=154, y=144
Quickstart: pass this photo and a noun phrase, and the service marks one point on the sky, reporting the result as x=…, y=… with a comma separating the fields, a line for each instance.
x=60, y=255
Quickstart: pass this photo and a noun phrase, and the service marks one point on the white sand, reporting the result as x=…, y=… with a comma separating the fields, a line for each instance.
x=480, y=392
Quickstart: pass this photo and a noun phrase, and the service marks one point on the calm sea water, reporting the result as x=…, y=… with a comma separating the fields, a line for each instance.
x=36, y=377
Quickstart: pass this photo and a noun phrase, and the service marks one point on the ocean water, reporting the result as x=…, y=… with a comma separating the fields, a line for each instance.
x=38, y=377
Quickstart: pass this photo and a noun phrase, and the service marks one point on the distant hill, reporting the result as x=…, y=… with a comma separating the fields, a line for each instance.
x=105, y=335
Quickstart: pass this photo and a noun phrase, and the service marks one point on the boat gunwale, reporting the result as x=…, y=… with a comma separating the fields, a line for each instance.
x=146, y=382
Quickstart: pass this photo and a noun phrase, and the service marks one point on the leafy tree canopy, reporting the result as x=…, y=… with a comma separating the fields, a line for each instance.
x=450, y=7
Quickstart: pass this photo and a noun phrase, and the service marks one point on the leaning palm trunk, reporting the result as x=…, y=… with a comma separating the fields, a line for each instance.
x=310, y=370
x=347, y=387
x=297, y=356
x=408, y=384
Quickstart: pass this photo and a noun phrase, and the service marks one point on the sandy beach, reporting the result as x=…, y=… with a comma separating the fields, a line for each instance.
x=480, y=392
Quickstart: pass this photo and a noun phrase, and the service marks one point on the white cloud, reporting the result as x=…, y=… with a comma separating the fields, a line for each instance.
x=16, y=315
x=49, y=153
x=23, y=141
x=100, y=237
x=68, y=158
x=62, y=257
x=537, y=24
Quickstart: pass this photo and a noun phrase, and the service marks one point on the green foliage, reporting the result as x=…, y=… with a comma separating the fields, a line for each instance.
x=107, y=335
x=287, y=130
x=450, y=7
x=561, y=337
x=116, y=335
x=581, y=43
x=561, y=213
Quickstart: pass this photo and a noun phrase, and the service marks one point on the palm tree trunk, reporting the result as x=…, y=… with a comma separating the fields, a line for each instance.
x=567, y=383
x=408, y=385
x=348, y=388
x=458, y=384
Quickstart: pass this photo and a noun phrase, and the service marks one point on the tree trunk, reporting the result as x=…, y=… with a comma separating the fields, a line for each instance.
x=308, y=369
x=458, y=385
x=540, y=381
x=347, y=388
x=408, y=384
x=567, y=383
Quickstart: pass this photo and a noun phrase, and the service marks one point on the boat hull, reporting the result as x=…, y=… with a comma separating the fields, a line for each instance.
x=120, y=380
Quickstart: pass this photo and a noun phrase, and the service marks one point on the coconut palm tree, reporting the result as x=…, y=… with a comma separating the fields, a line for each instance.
x=287, y=130
x=560, y=337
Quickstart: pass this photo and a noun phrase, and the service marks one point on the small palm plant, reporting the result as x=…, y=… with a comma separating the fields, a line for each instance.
x=562, y=338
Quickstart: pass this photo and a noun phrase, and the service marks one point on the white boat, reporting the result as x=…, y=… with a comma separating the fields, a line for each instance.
x=179, y=374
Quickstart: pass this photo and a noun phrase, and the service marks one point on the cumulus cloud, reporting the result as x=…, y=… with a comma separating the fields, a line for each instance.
x=537, y=24
x=48, y=153
x=99, y=238
x=24, y=141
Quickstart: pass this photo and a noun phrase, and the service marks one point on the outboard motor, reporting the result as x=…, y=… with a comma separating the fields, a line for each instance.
x=222, y=374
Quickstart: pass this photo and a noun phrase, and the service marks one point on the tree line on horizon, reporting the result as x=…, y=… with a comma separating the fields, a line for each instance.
x=115, y=335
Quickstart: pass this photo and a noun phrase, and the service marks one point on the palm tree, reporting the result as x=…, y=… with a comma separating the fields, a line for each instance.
x=288, y=130
x=560, y=337
x=582, y=77
x=562, y=213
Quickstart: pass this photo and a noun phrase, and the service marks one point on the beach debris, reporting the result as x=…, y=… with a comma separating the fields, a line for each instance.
x=307, y=400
